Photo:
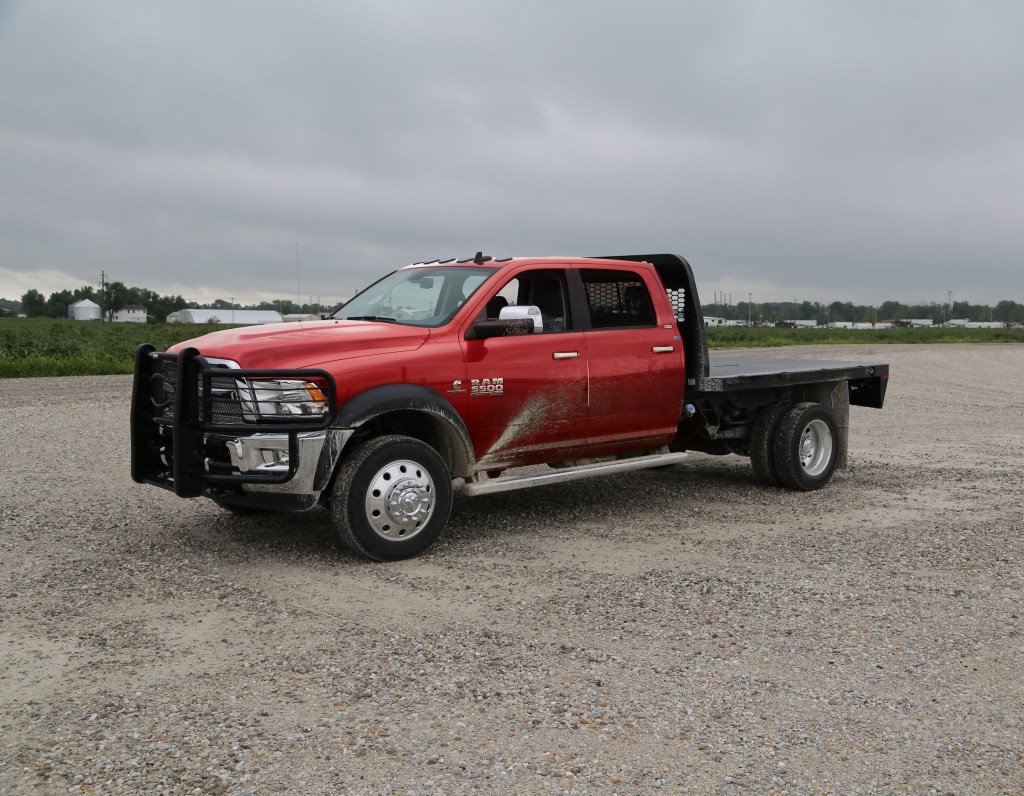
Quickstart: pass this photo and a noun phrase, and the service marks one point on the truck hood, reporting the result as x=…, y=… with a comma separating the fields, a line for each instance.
x=305, y=344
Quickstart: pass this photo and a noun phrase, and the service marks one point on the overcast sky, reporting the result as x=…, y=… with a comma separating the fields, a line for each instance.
x=817, y=150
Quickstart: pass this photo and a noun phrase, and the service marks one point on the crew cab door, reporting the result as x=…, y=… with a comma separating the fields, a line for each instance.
x=635, y=361
x=527, y=395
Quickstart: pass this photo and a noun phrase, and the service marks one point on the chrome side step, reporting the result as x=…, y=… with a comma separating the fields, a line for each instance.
x=507, y=484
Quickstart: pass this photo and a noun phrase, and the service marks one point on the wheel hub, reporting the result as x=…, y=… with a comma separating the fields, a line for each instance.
x=408, y=502
x=815, y=447
x=400, y=500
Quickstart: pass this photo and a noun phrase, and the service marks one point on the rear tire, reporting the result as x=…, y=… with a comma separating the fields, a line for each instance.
x=762, y=443
x=806, y=444
x=392, y=498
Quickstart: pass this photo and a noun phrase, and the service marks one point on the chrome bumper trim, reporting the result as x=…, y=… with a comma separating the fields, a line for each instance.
x=318, y=452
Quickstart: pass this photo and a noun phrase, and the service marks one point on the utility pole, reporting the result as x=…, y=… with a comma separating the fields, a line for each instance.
x=232, y=298
x=103, y=294
x=750, y=298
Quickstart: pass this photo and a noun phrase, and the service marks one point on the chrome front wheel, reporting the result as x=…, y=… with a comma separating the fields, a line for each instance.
x=400, y=500
x=391, y=498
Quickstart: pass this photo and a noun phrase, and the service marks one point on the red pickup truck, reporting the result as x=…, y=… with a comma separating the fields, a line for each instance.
x=464, y=375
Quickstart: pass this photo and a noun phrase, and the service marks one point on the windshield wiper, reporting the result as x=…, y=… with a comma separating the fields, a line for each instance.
x=379, y=318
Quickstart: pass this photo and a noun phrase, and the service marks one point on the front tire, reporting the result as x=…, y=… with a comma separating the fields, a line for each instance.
x=392, y=498
x=805, y=447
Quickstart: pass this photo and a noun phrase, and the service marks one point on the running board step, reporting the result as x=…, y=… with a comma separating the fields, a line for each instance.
x=573, y=474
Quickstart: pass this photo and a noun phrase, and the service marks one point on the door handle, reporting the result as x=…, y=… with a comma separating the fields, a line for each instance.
x=663, y=349
x=566, y=355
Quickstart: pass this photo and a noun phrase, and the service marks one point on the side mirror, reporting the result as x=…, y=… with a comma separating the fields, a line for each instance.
x=526, y=311
x=505, y=327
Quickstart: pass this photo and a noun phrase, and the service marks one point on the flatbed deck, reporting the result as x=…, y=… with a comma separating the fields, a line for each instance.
x=728, y=373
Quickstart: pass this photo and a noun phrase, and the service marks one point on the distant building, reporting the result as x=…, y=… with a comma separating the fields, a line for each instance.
x=798, y=324
x=226, y=317
x=711, y=320
x=964, y=323
x=133, y=313
x=85, y=310
x=914, y=322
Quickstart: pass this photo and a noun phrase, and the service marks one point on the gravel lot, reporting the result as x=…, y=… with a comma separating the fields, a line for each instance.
x=683, y=630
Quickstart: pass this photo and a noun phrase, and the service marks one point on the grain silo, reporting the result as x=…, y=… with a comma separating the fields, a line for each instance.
x=85, y=310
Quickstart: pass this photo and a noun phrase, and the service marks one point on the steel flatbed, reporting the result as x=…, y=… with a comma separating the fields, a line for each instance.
x=731, y=373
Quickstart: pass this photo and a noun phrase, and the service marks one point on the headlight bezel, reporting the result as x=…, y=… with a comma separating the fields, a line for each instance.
x=265, y=399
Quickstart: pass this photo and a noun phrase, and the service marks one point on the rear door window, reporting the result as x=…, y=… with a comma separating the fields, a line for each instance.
x=617, y=299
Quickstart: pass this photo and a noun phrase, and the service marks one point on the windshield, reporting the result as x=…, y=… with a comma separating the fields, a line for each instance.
x=422, y=296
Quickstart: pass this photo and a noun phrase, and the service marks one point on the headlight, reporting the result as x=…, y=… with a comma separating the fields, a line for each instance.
x=282, y=399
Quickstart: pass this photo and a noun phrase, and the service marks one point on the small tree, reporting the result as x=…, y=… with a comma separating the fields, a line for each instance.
x=113, y=298
x=33, y=304
x=58, y=303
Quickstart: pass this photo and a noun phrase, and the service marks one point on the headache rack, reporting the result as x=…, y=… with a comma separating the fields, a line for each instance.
x=186, y=407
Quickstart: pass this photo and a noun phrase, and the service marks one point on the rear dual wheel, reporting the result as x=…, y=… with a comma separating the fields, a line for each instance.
x=795, y=445
x=392, y=498
x=762, y=443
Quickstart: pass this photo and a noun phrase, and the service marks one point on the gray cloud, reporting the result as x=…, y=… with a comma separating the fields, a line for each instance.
x=798, y=149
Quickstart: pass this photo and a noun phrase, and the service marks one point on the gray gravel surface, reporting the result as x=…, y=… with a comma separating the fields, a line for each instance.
x=675, y=631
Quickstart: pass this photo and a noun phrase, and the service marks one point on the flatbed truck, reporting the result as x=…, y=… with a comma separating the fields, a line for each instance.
x=475, y=376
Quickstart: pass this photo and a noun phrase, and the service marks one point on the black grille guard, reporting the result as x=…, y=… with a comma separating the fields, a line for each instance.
x=183, y=411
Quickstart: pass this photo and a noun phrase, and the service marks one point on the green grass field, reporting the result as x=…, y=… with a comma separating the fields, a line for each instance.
x=47, y=347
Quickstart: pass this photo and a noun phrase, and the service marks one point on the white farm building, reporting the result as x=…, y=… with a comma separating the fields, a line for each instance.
x=133, y=313
x=225, y=316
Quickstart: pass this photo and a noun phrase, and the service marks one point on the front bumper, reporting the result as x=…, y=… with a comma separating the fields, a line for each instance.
x=270, y=454
x=189, y=436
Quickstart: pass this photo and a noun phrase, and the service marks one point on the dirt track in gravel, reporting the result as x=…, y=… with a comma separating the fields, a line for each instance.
x=684, y=630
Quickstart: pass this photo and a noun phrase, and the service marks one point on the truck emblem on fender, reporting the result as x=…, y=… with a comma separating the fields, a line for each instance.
x=495, y=386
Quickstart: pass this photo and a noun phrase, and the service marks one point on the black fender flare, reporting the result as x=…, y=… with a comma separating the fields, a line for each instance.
x=377, y=401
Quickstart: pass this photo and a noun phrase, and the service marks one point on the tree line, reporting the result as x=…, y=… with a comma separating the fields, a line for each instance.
x=847, y=312
x=116, y=296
